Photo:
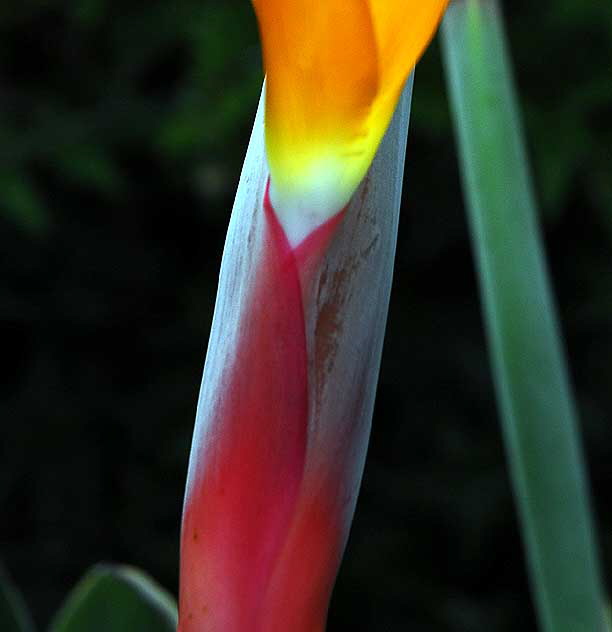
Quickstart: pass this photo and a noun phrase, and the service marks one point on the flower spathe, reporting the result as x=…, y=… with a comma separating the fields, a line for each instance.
x=335, y=70
x=288, y=389
x=286, y=403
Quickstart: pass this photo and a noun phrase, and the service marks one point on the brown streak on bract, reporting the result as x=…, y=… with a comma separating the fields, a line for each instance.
x=371, y=247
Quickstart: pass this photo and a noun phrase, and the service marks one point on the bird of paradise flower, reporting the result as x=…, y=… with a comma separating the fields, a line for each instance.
x=289, y=382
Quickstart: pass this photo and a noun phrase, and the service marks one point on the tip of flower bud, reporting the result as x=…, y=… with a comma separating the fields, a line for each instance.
x=332, y=86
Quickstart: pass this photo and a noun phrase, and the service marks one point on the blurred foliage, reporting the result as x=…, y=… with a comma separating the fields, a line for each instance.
x=122, y=132
x=14, y=616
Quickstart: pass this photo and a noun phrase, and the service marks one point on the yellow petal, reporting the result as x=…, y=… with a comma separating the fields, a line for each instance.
x=335, y=69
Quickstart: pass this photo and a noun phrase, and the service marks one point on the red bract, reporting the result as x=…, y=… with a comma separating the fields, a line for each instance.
x=286, y=403
x=239, y=513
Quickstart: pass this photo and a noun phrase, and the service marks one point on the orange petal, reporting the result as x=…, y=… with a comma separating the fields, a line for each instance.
x=335, y=69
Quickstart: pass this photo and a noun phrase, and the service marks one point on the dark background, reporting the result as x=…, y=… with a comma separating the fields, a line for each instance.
x=122, y=132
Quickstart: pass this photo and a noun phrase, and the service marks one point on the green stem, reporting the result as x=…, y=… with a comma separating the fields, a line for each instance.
x=535, y=401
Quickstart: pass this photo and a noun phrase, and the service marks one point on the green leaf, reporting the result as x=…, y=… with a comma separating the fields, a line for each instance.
x=14, y=616
x=116, y=599
x=537, y=410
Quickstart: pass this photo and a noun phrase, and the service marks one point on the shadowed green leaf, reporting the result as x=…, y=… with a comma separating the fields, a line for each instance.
x=116, y=599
